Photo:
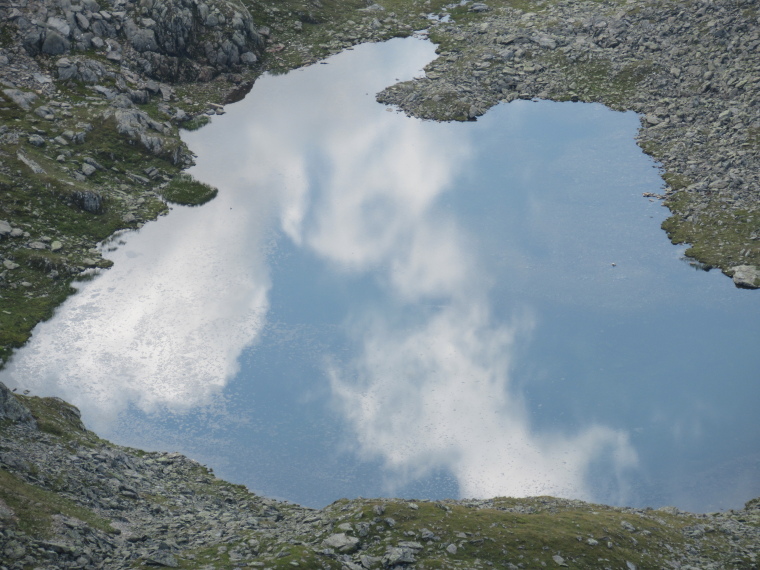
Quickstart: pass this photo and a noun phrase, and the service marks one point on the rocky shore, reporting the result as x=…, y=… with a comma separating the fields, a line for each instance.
x=92, y=98
x=69, y=499
x=690, y=69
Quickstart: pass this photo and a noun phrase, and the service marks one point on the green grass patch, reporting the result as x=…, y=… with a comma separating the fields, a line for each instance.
x=527, y=533
x=594, y=79
x=187, y=191
x=59, y=418
x=676, y=181
x=753, y=136
x=447, y=108
x=652, y=148
x=21, y=311
x=114, y=150
x=196, y=123
x=718, y=237
x=227, y=556
x=6, y=35
x=34, y=508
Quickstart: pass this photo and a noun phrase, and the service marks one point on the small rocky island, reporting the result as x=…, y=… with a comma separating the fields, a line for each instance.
x=94, y=94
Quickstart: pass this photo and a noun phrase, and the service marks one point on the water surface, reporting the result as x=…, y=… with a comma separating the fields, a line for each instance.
x=379, y=305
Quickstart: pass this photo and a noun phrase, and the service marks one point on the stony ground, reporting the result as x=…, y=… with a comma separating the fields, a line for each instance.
x=71, y=500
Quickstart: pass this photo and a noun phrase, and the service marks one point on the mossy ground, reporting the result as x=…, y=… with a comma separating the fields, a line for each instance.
x=525, y=533
x=719, y=236
x=185, y=190
x=500, y=535
x=58, y=418
x=196, y=123
x=34, y=508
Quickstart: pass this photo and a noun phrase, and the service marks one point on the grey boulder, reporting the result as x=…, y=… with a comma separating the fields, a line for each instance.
x=746, y=276
x=342, y=543
x=55, y=44
x=20, y=98
x=11, y=409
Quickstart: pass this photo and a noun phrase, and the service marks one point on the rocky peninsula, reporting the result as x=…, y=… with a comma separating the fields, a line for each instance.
x=688, y=68
x=94, y=95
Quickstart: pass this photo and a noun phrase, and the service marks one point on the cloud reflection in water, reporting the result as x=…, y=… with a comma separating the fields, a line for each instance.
x=163, y=328
x=429, y=386
x=439, y=396
x=428, y=389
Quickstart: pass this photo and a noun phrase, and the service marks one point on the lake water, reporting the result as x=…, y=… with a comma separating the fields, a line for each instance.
x=377, y=305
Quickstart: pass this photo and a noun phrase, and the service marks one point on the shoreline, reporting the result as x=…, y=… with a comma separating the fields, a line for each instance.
x=687, y=69
x=69, y=499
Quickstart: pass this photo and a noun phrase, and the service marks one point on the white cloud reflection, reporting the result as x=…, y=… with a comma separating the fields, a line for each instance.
x=438, y=395
x=165, y=327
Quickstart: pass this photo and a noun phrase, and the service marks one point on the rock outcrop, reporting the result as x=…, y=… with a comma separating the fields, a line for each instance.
x=170, y=40
x=12, y=410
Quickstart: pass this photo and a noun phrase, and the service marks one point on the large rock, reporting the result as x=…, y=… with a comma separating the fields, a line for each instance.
x=59, y=25
x=396, y=556
x=185, y=38
x=746, y=276
x=88, y=201
x=82, y=69
x=55, y=44
x=13, y=410
x=20, y=98
x=134, y=122
x=142, y=39
x=32, y=39
x=33, y=166
x=342, y=543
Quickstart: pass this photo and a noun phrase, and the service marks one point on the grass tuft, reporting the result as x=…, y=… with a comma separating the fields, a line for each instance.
x=187, y=191
x=196, y=123
x=33, y=508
